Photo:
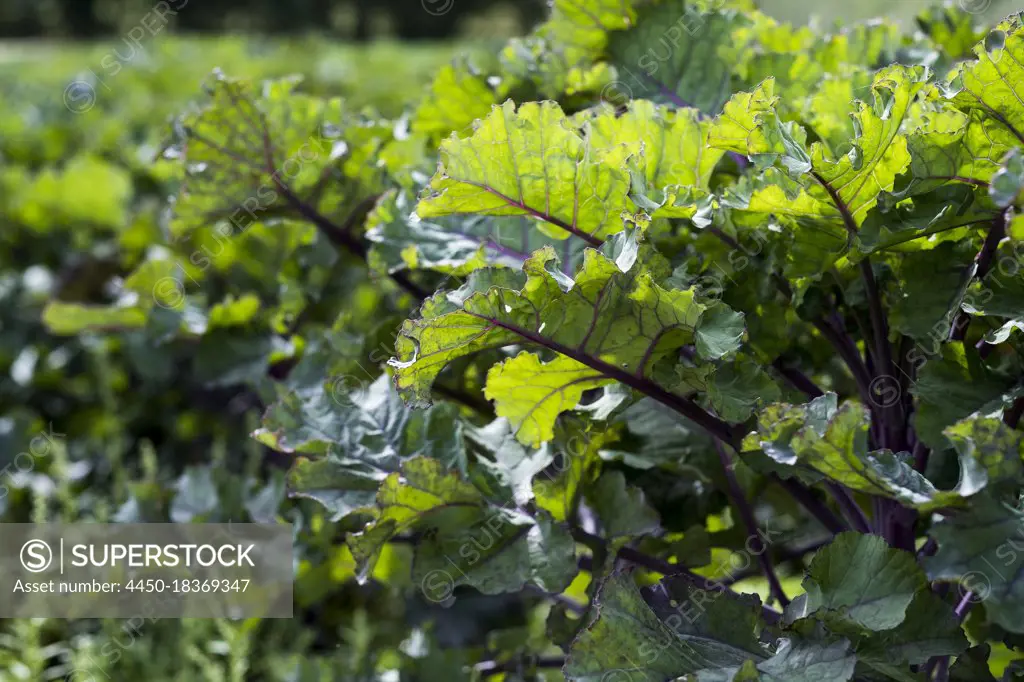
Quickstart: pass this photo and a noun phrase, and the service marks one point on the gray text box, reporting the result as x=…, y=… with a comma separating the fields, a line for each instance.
x=145, y=570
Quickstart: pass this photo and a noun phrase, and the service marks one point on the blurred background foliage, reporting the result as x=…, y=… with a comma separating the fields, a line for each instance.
x=352, y=19
x=370, y=19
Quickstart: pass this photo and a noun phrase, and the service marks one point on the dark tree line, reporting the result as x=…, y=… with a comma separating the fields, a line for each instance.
x=356, y=19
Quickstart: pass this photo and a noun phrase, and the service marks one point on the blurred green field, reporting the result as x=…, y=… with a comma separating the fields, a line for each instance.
x=122, y=90
x=83, y=195
x=380, y=73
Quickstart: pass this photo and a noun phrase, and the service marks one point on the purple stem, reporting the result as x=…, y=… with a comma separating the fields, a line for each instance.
x=984, y=260
x=747, y=514
x=964, y=605
x=851, y=510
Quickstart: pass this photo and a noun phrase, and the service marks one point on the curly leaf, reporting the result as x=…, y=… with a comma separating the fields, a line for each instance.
x=532, y=162
x=456, y=245
x=467, y=540
x=676, y=163
x=355, y=438
x=990, y=84
x=608, y=326
x=455, y=99
x=261, y=154
x=951, y=146
x=822, y=200
x=577, y=31
x=531, y=394
x=835, y=443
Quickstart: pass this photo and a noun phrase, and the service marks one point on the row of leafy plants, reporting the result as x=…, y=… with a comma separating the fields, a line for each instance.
x=106, y=427
x=664, y=296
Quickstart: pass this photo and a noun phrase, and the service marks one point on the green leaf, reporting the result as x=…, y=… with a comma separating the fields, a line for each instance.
x=159, y=280
x=749, y=124
x=531, y=394
x=989, y=83
x=952, y=146
x=678, y=136
x=779, y=423
x=826, y=108
x=720, y=332
x=338, y=416
x=226, y=358
x=793, y=662
x=675, y=164
x=932, y=284
x=663, y=632
x=358, y=436
x=579, y=444
x=952, y=28
x=556, y=71
x=952, y=387
x=990, y=451
x=862, y=581
x=835, y=443
x=863, y=43
x=824, y=198
x=1015, y=230
x=1002, y=293
x=340, y=492
x=195, y=495
x=86, y=191
x=498, y=551
x=659, y=437
x=532, y=162
x=972, y=666
x=67, y=319
x=679, y=55
x=930, y=629
x=1008, y=182
x=455, y=245
x=620, y=507
x=608, y=325
x=234, y=312
x=948, y=214
x=575, y=32
x=734, y=388
x=979, y=549
x=467, y=540
x=255, y=154
x=737, y=388
x=454, y=99
x=512, y=465
x=558, y=57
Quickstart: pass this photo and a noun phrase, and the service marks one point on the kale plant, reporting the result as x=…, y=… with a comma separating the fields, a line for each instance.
x=671, y=342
